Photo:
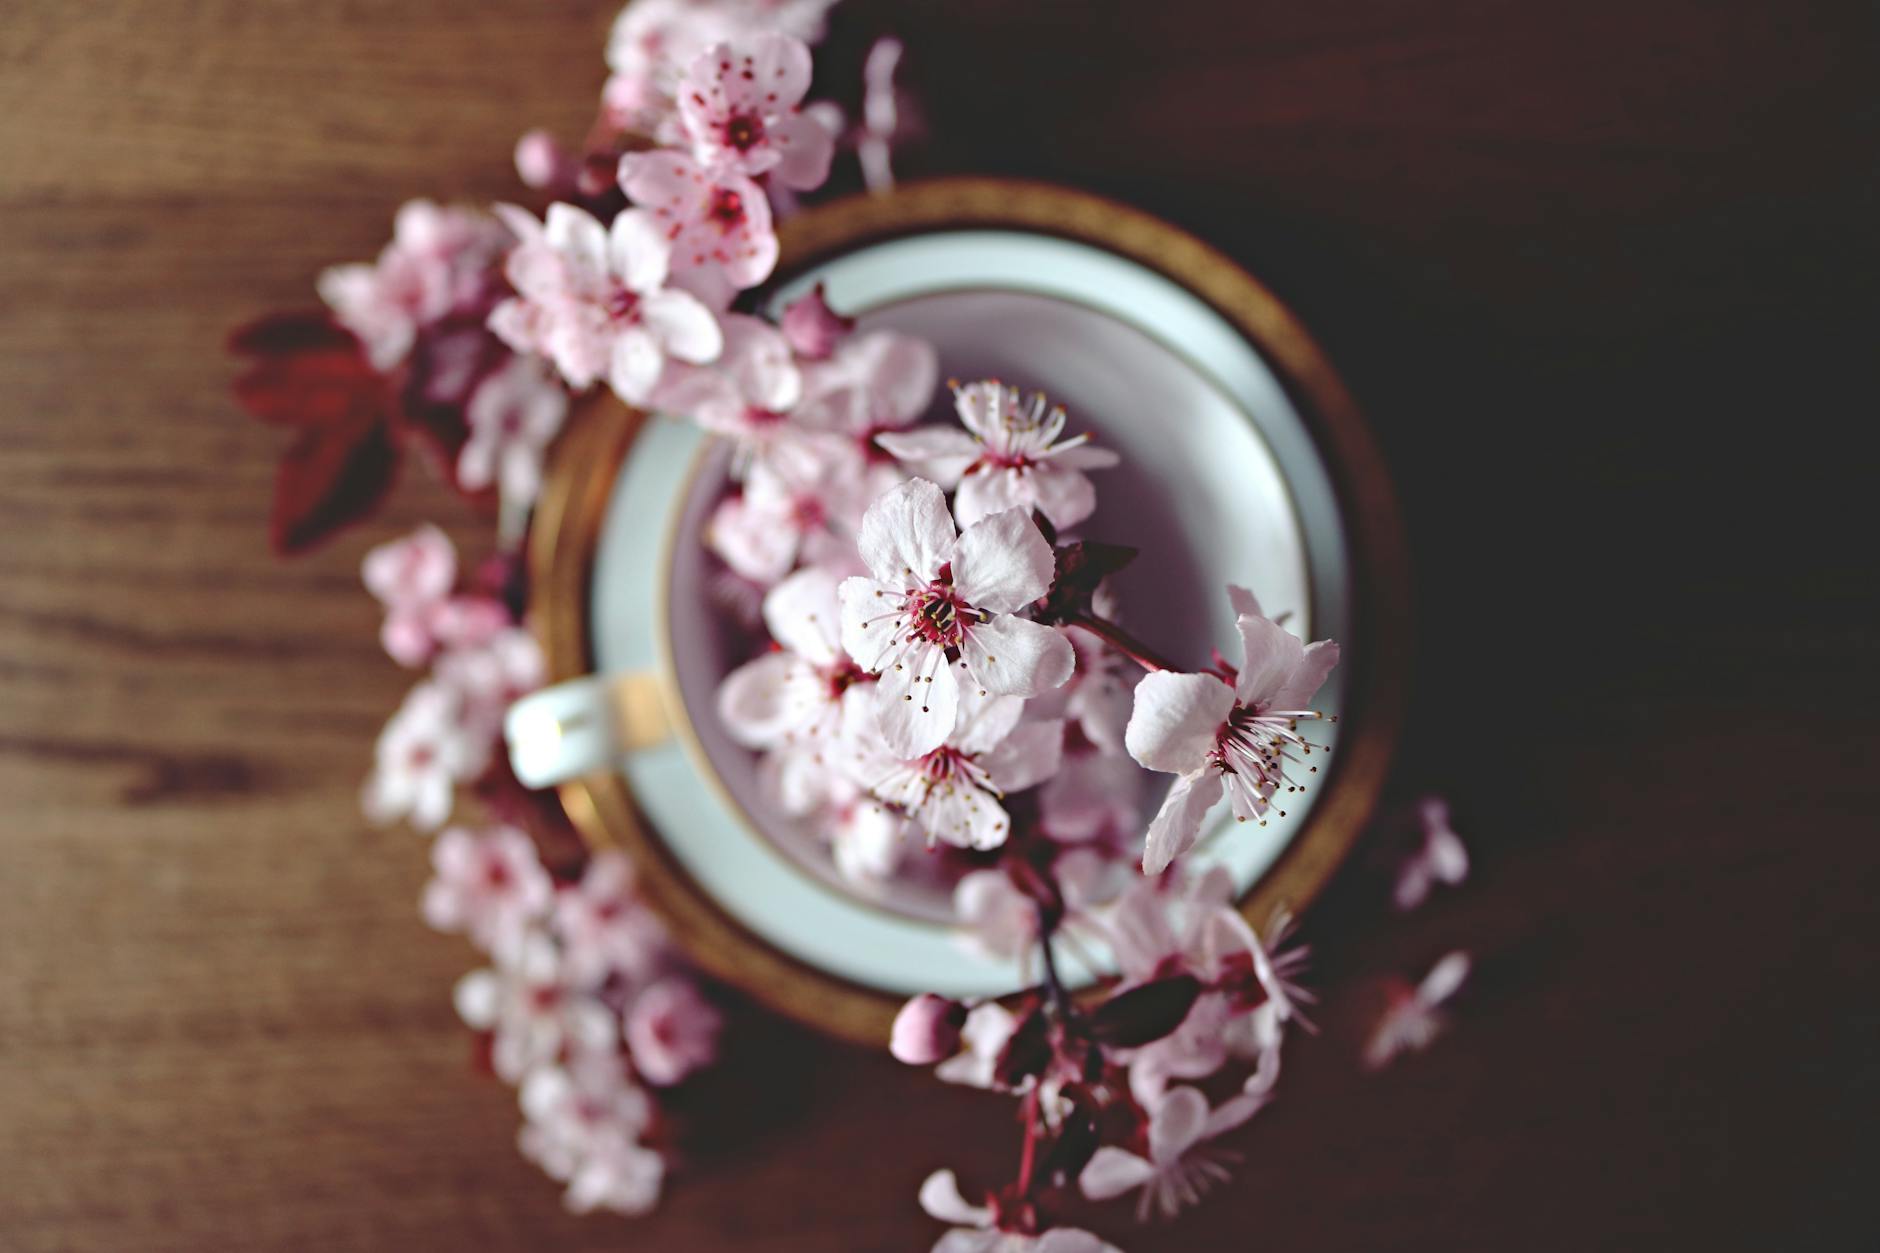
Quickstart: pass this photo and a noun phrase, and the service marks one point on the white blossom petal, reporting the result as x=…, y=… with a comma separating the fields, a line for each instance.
x=1176, y=719
x=1028, y=756
x=1012, y=657
x=1111, y=1172
x=907, y=535
x=917, y=702
x=937, y=452
x=1002, y=563
x=1177, y=824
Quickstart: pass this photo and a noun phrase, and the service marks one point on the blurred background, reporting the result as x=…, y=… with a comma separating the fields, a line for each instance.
x=1602, y=276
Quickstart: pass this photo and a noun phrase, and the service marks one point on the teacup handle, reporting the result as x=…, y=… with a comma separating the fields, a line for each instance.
x=583, y=725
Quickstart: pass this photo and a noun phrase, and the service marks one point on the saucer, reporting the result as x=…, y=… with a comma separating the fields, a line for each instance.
x=1243, y=461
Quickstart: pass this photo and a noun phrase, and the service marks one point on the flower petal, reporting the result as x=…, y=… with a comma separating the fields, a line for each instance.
x=757, y=358
x=804, y=614
x=1112, y=1172
x=938, y=452
x=1012, y=657
x=637, y=362
x=1321, y=658
x=869, y=617
x=940, y=1197
x=917, y=702
x=1175, y=719
x=1177, y=824
x=638, y=251
x=1176, y=1124
x=1002, y=563
x=1062, y=494
x=907, y=534
x=965, y=816
x=752, y=703
x=683, y=324
x=1028, y=756
x=1270, y=656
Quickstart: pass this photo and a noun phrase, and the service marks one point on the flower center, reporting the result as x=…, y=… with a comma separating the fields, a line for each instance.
x=726, y=209
x=744, y=131
x=934, y=615
x=622, y=305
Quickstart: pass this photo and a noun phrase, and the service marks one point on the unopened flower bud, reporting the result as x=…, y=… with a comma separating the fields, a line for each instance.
x=927, y=1030
x=540, y=162
x=812, y=327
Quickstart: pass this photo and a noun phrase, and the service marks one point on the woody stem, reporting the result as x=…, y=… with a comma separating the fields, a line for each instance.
x=1120, y=640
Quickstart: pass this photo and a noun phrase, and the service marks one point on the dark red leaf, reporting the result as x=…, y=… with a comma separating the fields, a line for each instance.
x=308, y=371
x=1027, y=1052
x=1077, y=1138
x=328, y=479
x=1146, y=1012
x=1080, y=568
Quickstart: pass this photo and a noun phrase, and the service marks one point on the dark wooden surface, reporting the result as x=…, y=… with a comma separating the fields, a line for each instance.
x=1602, y=273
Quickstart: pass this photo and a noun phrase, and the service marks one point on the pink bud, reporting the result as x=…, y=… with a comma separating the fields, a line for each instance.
x=813, y=328
x=539, y=160
x=927, y=1030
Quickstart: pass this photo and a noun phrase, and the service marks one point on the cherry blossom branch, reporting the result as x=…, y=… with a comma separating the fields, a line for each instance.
x=1120, y=640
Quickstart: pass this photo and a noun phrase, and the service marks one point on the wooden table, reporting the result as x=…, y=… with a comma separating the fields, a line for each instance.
x=1603, y=275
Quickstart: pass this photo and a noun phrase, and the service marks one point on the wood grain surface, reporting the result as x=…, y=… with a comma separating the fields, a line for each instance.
x=1603, y=276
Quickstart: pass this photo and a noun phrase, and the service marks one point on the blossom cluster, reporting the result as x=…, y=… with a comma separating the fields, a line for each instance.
x=936, y=658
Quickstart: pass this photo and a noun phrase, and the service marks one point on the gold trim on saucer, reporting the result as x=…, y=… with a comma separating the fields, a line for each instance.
x=585, y=466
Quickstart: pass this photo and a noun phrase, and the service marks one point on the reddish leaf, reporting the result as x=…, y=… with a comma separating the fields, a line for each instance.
x=308, y=371
x=328, y=479
x=1146, y=1012
x=1027, y=1052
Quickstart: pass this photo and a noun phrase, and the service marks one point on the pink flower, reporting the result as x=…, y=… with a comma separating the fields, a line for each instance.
x=604, y=928
x=422, y=755
x=940, y=600
x=411, y=577
x=488, y=885
x=1177, y=1170
x=1102, y=689
x=718, y=224
x=866, y=838
x=953, y=791
x=988, y=1027
x=1214, y=736
x=440, y=261
x=542, y=164
x=927, y=1030
x=1009, y=456
x=812, y=328
x=739, y=105
x=488, y=676
x=654, y=41
x=1093, y=796
x=1414, y=1018
x=671, y=1031
x=531, y=1013
x=869, y=384
x=593, y=300
x=940, y=1196
x=513, y=414
x=1439, y=857
x=797, y=694
x=583, y=1123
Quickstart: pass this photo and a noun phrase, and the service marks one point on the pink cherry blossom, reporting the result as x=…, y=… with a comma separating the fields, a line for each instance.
x=866, y=838
x=604, y=928
x=871, y=383
x=940, y=601
x=671, y=1031
x=653, y=42
x=1236, y=732
x=1439, y=856
x=739, y=106
x=541, y=163
x=1093, y=797
x=1177, y=1169
x=927, y=1030
x=411, y=577
x=441, y=260
x=513, y=414
x=583, y=1123
x=798, y=693
x=422, y=754
x=952, y=792
x=1102, y=689
x=488, y=885
x=1414, y=1017
x=487, y=677
x=594, y=300
x=940, y=1196
x=812, y=328
x=1009, y=456
x=530, y=1011
x=989, y=1025
x=718, y=224
x=999, y=921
